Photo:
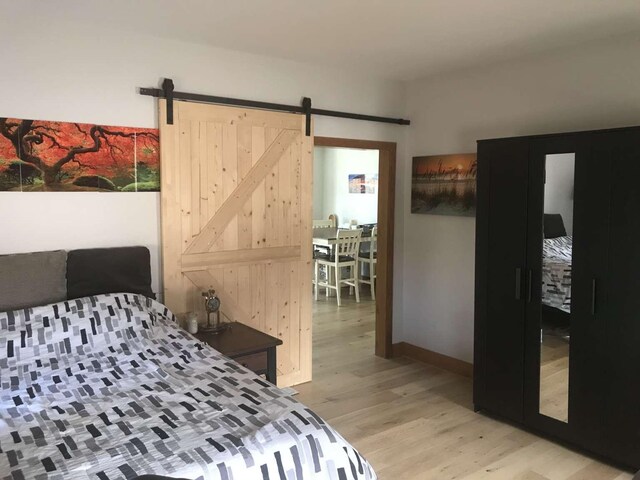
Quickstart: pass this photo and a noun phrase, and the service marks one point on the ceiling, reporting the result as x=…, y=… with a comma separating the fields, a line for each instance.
x=401, y=39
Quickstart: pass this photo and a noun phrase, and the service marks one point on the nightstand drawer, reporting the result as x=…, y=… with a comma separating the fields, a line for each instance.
x=256, y=362
x=239, y=340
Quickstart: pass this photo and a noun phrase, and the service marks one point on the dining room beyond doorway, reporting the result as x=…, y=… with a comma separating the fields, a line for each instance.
x=345, y=213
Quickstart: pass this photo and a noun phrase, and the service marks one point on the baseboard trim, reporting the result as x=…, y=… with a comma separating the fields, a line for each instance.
x=404, y=349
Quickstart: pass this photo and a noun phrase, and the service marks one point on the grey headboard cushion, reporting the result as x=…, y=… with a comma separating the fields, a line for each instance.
x=94, y=271
x=32, y=279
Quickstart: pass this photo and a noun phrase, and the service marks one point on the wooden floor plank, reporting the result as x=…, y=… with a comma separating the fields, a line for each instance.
x=415, y=421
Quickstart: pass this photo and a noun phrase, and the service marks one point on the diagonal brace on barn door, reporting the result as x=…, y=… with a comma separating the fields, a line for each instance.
x=229, y=209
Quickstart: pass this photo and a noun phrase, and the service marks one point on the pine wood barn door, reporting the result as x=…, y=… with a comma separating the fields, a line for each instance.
x=236, y=217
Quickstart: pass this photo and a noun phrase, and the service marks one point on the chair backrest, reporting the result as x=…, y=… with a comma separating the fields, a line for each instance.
x=348, y=242
x=373, y=249
x=323, y=224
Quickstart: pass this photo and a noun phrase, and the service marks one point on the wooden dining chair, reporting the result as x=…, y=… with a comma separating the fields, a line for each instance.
x=370, y=258
x=345, y=255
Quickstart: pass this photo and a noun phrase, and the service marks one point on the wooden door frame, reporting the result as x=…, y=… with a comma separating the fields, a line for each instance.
x=386, y=210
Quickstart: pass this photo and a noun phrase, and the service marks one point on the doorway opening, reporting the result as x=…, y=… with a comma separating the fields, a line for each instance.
x=353, y=201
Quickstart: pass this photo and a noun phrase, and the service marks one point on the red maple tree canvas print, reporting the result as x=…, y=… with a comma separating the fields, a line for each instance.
x=64, y=156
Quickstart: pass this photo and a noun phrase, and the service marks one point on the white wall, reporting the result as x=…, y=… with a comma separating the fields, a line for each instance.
x=335, y=165
x=558, y=189
x=587, y=88
x=78, y=73
x=318, y=184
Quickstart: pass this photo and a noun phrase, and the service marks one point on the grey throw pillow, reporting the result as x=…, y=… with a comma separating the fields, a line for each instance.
x=32, y=279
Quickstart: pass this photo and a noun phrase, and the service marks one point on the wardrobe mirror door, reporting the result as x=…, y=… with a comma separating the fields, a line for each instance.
x=555, y=322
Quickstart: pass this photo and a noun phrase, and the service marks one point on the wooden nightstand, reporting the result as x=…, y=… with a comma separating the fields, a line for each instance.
x=249, y=347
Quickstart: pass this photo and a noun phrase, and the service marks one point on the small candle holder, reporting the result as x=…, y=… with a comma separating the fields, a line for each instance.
x=192, y=322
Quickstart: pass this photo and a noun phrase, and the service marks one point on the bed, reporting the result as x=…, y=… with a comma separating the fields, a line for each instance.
x=556, y=265
x=107, y=386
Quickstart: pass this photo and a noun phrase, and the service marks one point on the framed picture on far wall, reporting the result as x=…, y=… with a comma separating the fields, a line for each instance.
x=363, y=183
x=371, y=183
x=444, y=185
x=357, y=183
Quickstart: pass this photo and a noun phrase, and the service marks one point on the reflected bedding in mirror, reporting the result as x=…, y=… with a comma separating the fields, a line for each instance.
x=556, y=273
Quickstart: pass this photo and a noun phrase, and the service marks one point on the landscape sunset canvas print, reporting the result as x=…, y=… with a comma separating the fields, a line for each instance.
x=37, y=156
x=444, y=185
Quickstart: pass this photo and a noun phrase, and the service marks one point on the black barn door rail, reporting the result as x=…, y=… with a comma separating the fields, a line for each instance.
x=167, y=92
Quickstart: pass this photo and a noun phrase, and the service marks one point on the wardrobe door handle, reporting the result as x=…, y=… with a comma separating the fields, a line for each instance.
x=593, y=296
x=518, y=283
x=529, y=285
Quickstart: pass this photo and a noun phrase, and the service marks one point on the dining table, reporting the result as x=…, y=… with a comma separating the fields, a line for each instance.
x=328, y=236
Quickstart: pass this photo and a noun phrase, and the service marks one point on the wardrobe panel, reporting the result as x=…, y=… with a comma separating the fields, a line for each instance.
x=548, y=339
x=589, y=352
x=623, y=300
x=567, y=246
x=502, y=197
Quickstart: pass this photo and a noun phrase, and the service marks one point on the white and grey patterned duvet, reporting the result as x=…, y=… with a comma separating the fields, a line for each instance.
x=108, y=387
x=556, y=272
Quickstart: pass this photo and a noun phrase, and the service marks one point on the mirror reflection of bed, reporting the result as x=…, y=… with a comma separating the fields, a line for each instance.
x=555, y=324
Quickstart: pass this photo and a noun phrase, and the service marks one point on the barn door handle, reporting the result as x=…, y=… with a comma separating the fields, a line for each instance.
x=593, y=296
x=518, y=283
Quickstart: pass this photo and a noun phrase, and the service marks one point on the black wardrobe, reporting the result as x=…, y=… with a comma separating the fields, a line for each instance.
x=557, y=310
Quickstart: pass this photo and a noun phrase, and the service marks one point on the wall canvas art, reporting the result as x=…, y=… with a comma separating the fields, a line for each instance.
x=356, y=183
x=371, y=183
x=37, y=156
x=444, y=185
x=361, y=183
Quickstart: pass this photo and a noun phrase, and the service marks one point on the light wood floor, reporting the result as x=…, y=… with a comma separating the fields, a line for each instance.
x=415, y=421
x=554, y=377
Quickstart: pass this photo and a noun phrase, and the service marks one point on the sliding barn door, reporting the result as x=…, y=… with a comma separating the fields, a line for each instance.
x=236, y=217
